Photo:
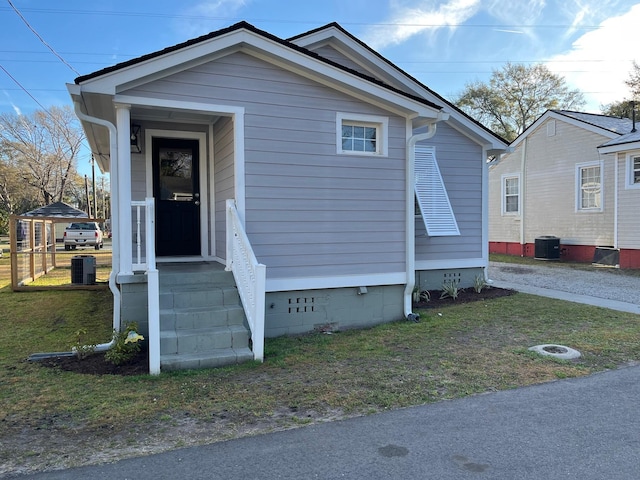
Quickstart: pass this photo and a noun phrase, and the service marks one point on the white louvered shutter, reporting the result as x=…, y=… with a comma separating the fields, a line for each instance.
x=431, y=194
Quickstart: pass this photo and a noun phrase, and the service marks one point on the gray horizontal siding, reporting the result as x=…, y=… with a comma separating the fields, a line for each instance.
x=460, y=162
x=309, y=212
x=223, y=177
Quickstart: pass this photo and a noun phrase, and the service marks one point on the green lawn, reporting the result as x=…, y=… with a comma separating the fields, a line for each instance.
x=455, y=351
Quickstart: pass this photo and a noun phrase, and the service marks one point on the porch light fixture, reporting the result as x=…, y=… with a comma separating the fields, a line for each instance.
x=135, y=139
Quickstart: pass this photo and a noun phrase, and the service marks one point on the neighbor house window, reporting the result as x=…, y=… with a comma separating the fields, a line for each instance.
x=361, y=134
x=511, y=194
x=589, y=192
x=633, y=171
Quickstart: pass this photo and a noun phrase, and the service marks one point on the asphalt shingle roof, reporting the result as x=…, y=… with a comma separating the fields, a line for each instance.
x=613, y=124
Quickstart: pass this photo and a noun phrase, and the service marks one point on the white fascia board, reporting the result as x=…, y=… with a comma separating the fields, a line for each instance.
x=261, y=47
x=166, y=63
x=315, y=283
x=343, y=81
x=194, y=107
x=372, y=62
x=622, y=147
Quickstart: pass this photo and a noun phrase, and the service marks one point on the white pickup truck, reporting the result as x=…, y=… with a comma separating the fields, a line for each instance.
x=83, y=234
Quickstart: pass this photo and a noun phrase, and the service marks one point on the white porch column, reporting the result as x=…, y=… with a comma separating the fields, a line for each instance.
x=123, y=124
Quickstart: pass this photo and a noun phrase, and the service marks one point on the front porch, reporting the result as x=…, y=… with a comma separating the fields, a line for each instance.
x=195, y=314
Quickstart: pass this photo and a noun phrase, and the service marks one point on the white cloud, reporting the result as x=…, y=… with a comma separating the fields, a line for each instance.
x=409, y=21
x=10, y=101
x=600, y=60
x=209, y=15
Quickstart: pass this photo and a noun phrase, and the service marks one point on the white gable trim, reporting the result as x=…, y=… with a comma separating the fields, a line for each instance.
x=362, y=56
x=269, y=50
x=566, y=119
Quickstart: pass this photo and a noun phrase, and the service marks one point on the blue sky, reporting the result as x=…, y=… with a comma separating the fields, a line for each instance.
x=444, y=44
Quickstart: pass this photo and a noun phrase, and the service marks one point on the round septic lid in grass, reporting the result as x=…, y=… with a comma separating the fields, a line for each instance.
x=556, y=351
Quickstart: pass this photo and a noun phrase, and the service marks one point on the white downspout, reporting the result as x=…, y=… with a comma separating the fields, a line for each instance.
x=522, y=190
x=410, y=239
x=115, y=256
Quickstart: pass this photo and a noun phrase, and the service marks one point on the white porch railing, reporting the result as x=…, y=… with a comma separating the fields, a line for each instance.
x=144, y=213
x=250, y=277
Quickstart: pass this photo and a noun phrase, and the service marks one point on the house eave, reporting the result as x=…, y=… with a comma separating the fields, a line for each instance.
x=620, y=147
x=273, y=50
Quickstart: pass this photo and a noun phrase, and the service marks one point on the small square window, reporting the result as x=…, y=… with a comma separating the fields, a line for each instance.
x=362, y=134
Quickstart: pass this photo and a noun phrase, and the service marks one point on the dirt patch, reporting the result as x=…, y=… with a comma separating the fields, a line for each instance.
x=465, y=295
x=96, y=364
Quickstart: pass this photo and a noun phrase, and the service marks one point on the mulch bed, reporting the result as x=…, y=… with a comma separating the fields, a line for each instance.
x=464, y=296
x=97, y=365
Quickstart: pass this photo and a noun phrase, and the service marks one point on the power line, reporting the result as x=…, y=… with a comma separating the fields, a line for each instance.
x=41, y=39
x=22, y=87
x=298, y=21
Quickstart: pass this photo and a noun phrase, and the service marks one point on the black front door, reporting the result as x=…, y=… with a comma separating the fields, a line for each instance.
x=176, y=188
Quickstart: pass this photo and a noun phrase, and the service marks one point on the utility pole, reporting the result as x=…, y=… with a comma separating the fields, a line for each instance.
x=93, y=182
x=86, y=191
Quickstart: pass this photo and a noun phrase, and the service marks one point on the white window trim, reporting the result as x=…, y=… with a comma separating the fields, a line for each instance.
x=503, y=191
x=578, y=191
x=380, y=123
x=629, y=170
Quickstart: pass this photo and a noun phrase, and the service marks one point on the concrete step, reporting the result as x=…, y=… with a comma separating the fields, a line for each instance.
x=198, y=296
x=201, y=317
x=202, y=340
x=213, y=359
x=212, y=274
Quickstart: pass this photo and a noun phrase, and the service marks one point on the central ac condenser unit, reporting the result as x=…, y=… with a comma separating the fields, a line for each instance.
x=83, y=270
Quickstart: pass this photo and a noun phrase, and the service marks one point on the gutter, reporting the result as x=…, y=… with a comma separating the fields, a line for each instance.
x=410, y=238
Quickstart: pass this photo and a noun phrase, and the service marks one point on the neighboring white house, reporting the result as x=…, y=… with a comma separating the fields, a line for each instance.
x=308, y=154
x=557, y=182
x=624, y=153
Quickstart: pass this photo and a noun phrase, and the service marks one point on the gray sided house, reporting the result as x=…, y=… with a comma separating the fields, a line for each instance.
x=264, y=187
x=573, y=176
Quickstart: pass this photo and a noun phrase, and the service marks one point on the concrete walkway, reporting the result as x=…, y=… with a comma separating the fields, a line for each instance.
x=605, y=289
x=586, y=428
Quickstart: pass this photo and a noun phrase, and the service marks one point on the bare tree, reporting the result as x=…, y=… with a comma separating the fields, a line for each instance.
x=516, y=96
x=43, y=148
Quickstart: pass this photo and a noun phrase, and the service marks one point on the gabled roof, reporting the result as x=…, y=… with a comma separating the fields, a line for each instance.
x=610, y=127
x=248, y=27
x=613, y=124
x=379, y=64
x=57, y=209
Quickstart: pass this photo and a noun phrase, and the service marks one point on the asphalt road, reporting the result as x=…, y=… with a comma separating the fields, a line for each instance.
x=586, y=428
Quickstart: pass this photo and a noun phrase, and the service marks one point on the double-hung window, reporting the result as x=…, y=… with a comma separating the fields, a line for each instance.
x=510, y=194
x=362, y=134
x=633, y=171
x=589, y=187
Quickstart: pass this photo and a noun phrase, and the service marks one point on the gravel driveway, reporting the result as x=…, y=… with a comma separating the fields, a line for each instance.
x=603, y=283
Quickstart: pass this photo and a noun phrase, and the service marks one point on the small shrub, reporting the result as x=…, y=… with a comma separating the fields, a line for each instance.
x=450, y=289
x=479, y=283
x=421, y=295
x=127, y=344
x=80, y=345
